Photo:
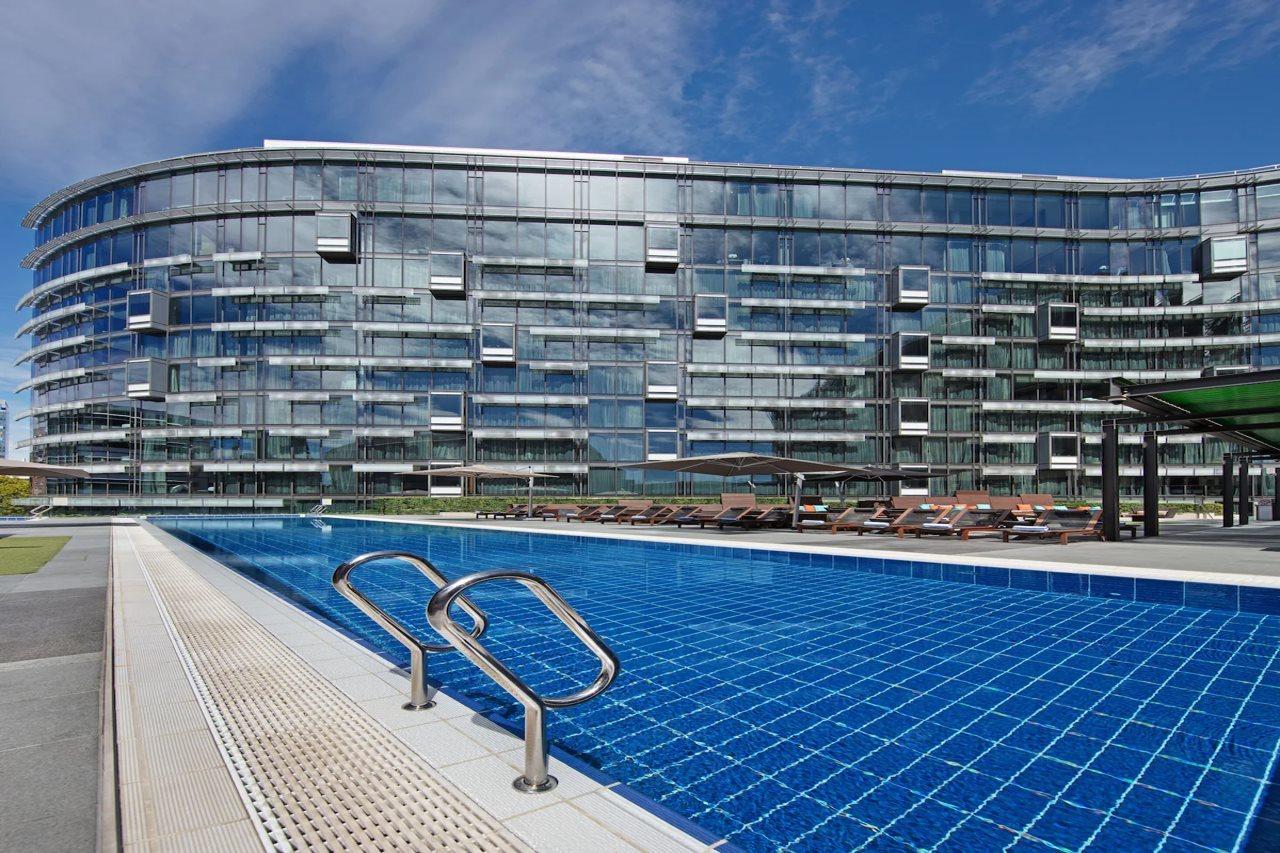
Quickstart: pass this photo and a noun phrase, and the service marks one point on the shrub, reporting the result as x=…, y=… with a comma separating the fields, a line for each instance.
x=12, y=488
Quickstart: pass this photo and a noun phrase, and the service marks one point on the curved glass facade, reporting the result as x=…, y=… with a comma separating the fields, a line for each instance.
x=267, y=327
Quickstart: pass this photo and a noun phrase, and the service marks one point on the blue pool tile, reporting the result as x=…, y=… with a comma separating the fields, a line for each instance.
x=1212, y=595
x=991, y=576
x=1109, y=586
x=1255, y=599
x=865, y=706
x=1154, y=591
x=1068, y=582
x=1029, y=579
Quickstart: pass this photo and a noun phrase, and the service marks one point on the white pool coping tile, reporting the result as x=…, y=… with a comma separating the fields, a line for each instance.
x=555, y=529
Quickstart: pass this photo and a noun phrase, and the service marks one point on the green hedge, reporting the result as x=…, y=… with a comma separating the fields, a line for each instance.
x=475, y=503
x=12, y=488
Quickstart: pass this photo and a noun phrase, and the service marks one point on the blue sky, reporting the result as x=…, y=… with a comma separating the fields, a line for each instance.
x=1127, y=88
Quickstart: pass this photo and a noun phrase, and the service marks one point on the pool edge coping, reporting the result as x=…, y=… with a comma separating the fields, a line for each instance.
x=655, y=811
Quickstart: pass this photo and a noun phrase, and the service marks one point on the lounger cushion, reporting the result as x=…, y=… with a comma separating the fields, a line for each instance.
x=875, y=524
x=812, y=521
x=1030, y=528
x=937, y=525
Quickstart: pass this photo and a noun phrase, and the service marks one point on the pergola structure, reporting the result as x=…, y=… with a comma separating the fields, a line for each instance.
x=1243, y=408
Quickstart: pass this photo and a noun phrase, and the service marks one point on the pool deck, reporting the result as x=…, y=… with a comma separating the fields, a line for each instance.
x=1185, y=550
x=243, y=723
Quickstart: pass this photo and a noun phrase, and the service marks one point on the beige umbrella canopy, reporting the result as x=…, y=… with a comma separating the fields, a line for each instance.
x=21, y=468
x=485, y=472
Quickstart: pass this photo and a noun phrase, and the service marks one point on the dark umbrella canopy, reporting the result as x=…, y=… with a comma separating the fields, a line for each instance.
x=741, y=465
x=872, y=473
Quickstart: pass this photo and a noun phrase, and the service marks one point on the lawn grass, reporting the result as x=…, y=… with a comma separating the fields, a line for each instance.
x=22, y=555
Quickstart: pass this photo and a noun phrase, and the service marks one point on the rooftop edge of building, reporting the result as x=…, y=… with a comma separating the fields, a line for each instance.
x=279, y=146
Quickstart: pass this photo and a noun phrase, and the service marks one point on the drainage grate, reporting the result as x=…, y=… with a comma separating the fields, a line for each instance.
x=316, y=771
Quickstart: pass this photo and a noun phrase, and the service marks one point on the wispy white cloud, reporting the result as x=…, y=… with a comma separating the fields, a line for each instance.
x=93, y=86
x=1062, y=55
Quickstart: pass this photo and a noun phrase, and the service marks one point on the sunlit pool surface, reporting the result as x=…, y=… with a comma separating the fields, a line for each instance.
x=785, y=700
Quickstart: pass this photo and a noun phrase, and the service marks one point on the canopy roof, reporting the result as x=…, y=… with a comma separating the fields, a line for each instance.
x=22, y=468
x=1240, y=407
x=872, y=473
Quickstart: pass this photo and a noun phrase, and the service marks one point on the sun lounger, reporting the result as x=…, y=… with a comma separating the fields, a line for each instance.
x=692, y=515
x=981, y=519
x=652, y=514
x=732, y=515
x=620, y=515
x=595, y=513
x=832, y=521
x=1065, y=526
x=565, y=513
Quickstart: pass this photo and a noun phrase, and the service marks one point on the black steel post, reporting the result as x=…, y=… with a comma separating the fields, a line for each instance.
x=1150, y=485
x=1110, y=481
x=1244, y=490
x=1228, y=492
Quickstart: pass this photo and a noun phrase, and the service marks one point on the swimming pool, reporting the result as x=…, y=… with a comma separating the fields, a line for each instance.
x=783, y=700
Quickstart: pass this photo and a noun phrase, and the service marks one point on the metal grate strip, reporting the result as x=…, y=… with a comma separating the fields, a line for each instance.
x=316, y=770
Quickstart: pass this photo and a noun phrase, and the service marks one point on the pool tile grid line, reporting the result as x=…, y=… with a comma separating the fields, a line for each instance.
x=1054, y=660
x=1227, y=591
x=476, y=743
x=889, y=780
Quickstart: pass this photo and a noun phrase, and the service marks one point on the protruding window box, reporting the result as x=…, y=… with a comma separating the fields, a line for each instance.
x=448, y=276
x=662, y=246
x=915, y=487
x=1057, y=322
x=146, y=378
x=148, y=311
x=446, y=411
x=909, y=351
x=710, y=315
x=497, y=343
x=661, y=445
x=909, y=287
x=1058, y=451
x=661, y=380
x=910, y=416
x=338, y=237
x=1223, y=257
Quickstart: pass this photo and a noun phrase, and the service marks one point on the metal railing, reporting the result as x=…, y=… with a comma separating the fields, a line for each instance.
x=420, y=692
x=536, y=778
x=38, y=512
x=318, y=509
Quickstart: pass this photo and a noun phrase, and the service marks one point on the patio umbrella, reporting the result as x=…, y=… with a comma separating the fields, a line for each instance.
x=486, y=472
x=744, y=464
x=21, y=468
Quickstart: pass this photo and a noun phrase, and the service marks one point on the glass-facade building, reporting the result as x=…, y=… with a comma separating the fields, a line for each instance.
x=271, y=326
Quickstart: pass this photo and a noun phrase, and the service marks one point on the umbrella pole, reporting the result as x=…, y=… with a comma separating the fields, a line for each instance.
x=529, y=514
x=795, y=503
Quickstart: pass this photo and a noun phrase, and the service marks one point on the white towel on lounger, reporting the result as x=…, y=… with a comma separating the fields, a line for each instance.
x=1030, y=528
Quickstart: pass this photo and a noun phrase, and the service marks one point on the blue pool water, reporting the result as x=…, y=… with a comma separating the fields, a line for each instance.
x=786, y=700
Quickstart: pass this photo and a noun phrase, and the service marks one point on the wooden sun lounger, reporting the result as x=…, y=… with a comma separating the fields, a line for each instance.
x=653, y=514
x=964, y=526
x=620, y=515
x=496, y=513
x=830, y=523
x=1063, y=533
x=692, y=515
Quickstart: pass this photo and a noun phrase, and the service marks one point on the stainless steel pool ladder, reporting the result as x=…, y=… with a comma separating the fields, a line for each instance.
x=420, y=692
x=536, y=778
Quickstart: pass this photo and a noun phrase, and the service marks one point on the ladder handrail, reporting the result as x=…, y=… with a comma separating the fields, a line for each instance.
x=535, y=778
x=39, y=511
x=419, y=691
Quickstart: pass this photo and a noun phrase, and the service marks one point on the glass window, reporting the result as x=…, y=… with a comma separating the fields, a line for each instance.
x=1218, y=207
x=804, y=201
x=708, y=197
x=1050, y=210
x=935, y=205
x=660, y=195
x=450, y=186
x=1023, y=210
x=904, y=204
x=959, y=207
x=999, y=211
x=1093, y=211
x=500, y=189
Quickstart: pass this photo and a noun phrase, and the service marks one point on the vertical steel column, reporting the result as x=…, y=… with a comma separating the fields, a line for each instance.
x=1244, y=490
x=1228, y=492
x=1150, y=485
x=1110, y=481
